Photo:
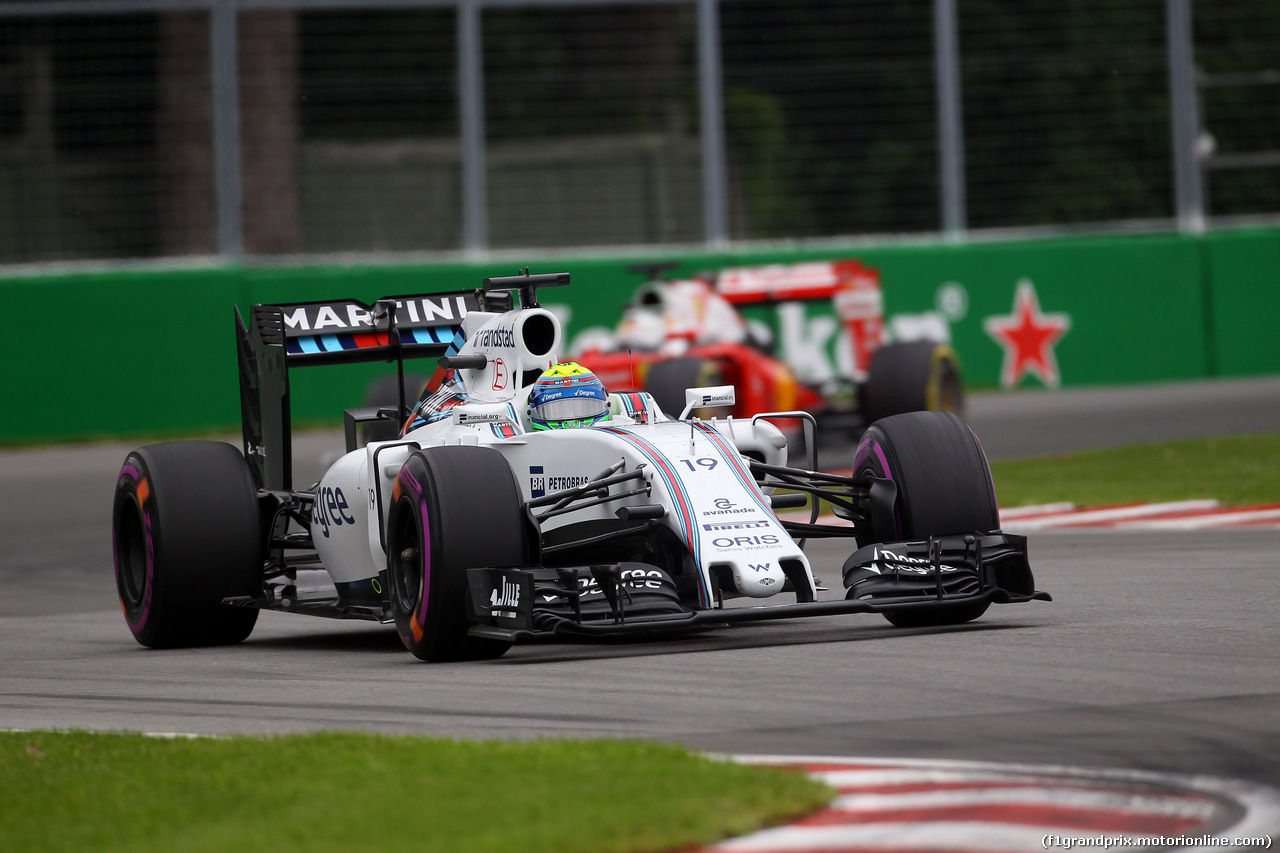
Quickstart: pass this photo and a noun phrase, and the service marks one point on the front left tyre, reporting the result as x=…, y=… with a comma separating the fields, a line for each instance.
x=455, y=508
x=186, y=534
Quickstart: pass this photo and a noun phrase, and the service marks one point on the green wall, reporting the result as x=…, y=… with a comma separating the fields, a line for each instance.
x=1243, y=301
x=97, y=355
x=151, y=352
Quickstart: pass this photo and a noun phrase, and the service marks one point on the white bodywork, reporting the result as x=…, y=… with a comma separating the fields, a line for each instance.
x=694, y=469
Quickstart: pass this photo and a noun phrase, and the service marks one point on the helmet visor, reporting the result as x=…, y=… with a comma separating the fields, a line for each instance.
x=570, y=409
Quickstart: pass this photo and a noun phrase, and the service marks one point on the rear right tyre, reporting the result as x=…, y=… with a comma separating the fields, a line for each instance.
x=186, y=533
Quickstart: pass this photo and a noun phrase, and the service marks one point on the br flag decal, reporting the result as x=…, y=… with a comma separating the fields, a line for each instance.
x=1028, y=336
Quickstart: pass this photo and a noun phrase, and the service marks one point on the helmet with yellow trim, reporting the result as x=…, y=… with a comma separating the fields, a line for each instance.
x=567, y=395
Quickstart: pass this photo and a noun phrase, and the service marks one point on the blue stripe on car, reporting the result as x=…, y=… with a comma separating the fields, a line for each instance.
x=683, y=505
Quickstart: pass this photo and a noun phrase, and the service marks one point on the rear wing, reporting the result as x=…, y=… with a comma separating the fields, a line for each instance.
x=347, y=331
x=852, y=289
x=340, y=331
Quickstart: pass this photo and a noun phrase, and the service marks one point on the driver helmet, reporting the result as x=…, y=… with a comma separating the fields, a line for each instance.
x=567, y=395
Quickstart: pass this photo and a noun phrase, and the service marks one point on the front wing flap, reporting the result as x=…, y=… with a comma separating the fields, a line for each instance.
x=957, y=565
x=534, y=599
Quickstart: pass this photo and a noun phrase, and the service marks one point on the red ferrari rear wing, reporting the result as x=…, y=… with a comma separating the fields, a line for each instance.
x=813, y=280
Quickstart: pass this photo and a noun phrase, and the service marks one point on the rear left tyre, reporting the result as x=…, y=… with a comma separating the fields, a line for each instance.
x=186, y=533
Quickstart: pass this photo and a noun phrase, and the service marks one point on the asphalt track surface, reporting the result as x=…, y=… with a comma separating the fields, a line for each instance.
x=1158, y=653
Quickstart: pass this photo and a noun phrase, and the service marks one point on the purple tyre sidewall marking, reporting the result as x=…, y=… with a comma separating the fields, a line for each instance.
x=864, y=451
x=134, y=477
x=426, y=562
x=413, y=489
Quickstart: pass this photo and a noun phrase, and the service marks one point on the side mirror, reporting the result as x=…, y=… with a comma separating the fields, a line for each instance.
x=715, y=396
x=465, y=414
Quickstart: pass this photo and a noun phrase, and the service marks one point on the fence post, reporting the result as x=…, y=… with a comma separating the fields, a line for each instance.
x=475, y=218
x=1188, y=180
x=946, y=63
x=715, y=215
x=224, y=60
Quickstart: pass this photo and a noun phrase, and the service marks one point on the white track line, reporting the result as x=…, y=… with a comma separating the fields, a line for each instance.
x=1041, y=509
x=852, y=803
x=1222, y=518
x=1174, y=515
x=1113, y=515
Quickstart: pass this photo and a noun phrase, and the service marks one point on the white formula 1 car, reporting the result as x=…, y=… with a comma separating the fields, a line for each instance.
x=471, y=532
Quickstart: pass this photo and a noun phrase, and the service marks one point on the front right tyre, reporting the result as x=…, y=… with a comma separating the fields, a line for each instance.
x=943, y=485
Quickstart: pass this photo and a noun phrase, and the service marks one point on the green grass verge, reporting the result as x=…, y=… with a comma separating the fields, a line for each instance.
x=1237, y=470
x=348, y=792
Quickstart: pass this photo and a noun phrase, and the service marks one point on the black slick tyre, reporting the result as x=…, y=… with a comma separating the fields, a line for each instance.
x=668, y=380
x=455, y=508
x=944, y=486
x=186, y=533
x=913, y=376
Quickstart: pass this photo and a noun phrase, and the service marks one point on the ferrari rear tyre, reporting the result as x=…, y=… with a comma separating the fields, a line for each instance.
x=456, y=507
x=668, y=380
x=186, y=533
x=914, y=376
x=944, y=486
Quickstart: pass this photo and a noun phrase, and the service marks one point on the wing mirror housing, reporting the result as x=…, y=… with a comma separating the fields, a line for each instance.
x=711, y=397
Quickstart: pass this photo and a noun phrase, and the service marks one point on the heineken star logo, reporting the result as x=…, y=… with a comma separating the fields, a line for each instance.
x=1028, y=337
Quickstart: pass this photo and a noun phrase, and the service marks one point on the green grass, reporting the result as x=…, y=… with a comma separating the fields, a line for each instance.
x=1237, y=470
x=78, y=791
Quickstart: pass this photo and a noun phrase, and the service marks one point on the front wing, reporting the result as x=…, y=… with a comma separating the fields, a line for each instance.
x=635, y=599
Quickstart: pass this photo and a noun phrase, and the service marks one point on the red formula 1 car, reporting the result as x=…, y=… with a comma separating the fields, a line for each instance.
x=689, y=333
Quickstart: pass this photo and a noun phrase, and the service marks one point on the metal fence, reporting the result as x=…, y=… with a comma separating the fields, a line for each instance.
x=173, y=128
